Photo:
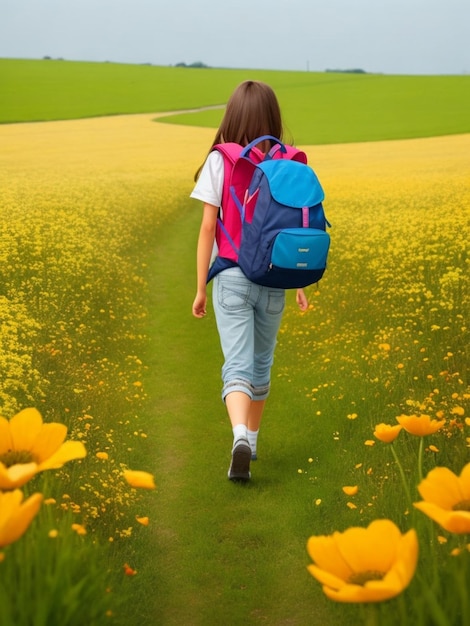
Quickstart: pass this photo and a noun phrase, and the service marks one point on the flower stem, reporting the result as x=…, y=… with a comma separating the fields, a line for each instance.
x=462, y=582
x=420, y=459
x=370, y=615
x=402, y=473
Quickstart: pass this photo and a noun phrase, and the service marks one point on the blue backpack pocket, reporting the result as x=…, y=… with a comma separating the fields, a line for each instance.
x=300, y=249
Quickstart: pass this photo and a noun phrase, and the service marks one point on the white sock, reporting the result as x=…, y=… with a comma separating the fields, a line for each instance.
x=240, y=432
x=253, y=439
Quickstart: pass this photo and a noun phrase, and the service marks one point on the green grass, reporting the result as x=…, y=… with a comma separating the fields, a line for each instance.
x=220, y=552
x=343, y=108
x=318, y=107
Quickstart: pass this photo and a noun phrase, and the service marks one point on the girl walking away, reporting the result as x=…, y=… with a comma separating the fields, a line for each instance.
x=248, y=315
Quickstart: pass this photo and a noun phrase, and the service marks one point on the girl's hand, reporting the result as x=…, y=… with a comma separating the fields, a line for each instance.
x=301, y=300
x=199, y=305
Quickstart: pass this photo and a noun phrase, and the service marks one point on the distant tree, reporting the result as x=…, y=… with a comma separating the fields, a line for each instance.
x=197, y=64
x=354, y=71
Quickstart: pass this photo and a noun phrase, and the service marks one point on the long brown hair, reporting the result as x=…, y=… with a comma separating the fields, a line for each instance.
x=252, y=111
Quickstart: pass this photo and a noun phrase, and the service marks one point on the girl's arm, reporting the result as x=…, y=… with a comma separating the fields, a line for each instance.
x=301, y=300
x=205, y=245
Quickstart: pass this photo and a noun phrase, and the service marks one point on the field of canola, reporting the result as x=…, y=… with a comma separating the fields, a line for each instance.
x=387, y=331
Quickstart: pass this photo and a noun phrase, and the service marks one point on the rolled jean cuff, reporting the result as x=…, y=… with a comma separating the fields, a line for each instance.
x=261, y=392
x=238, y=384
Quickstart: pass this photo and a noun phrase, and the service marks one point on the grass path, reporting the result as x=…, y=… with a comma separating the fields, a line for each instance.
x=221, y=552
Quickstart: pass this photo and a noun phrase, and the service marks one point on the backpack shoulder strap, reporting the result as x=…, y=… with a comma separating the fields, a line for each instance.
x=231, y=153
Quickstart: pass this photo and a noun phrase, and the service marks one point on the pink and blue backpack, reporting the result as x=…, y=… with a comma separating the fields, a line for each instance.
x=272, y=223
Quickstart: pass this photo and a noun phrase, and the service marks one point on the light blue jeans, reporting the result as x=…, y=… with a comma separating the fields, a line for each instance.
x=248, y=318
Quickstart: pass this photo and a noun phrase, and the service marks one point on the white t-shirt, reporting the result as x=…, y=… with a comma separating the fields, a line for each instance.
x=210, y=183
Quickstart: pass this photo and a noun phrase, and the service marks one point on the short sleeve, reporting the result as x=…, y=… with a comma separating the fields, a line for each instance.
x=210, y=184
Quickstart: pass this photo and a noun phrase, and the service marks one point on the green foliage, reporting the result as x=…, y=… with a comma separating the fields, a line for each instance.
x=57, y=578
x=343, y=108
x=318, y=107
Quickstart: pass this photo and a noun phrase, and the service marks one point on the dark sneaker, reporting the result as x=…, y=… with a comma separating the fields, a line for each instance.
x=240, y=465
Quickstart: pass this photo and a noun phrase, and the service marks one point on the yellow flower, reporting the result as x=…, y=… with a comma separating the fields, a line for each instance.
x=384, y=346
x=16, y=515
x=364, y=564
x=386, y=432
x=140, y=479
x=351, y=490
x=143, y=520
x=446, y=498
x=79, y=529
x=420, y=425
x=28, y=446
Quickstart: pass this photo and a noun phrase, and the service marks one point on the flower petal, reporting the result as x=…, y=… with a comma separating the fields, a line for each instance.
x=371, y=548
x=387, y=433
x=25, y=426
x=49, y=440
x=326, y=578
x=465, y=481
x=5, y=436
x=136, y=478
x=16, y=475
x=454, y=521
x=323, y=550
x=20, y=515
x=68, y=451
x=421, y=425
x=359, y=593
x=9, y=502
x=441, y=487
x=404, y=567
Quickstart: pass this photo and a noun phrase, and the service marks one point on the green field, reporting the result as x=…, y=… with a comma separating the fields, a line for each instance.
x=319, y=108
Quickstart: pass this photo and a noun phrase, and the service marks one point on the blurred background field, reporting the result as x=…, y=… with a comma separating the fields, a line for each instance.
x=319, y=108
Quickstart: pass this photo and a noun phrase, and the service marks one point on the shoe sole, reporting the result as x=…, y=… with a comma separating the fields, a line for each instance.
x=240, y=466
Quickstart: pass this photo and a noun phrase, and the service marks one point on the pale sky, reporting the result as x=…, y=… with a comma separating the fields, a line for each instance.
x=389, y=36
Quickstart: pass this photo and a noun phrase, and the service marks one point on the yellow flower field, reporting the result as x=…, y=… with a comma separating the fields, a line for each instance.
x=386, y=334
x=77, y=195
x=391, y=314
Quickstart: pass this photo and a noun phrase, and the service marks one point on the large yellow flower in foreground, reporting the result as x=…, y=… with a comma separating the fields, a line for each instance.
x=446, y=498
x=16, y=515
x=364, y=564
x=28, y=446
x=420, y=425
